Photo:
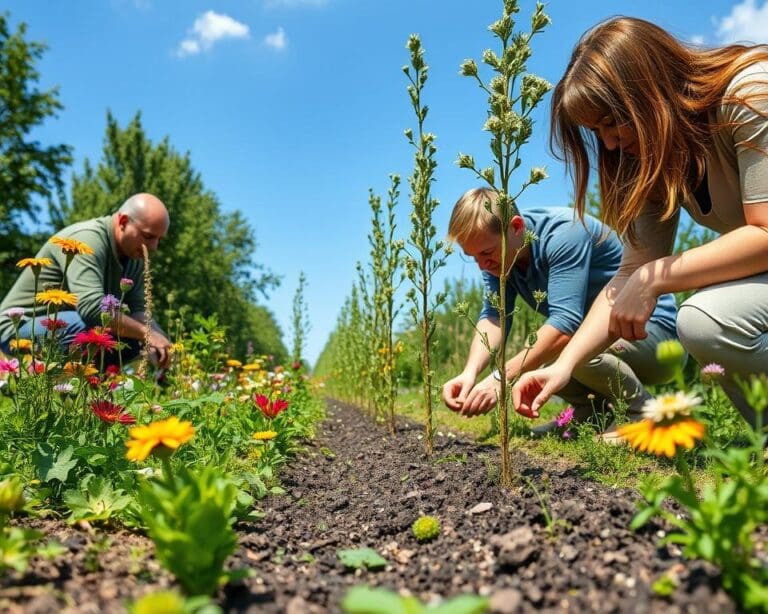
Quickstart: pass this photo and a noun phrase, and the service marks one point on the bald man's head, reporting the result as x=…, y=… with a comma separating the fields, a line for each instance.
x=141, y=220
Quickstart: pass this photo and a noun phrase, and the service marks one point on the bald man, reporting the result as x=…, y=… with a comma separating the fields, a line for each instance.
x=118, y=242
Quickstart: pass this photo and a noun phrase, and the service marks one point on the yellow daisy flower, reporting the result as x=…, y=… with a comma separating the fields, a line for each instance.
x=662, y=437
x=252, y=366
x=264, y=435
x=170, y=434
x=21, y=345
x=78, y=369
x=56, y=297
x=34, y=263
x=72, y=246
x=234, y=363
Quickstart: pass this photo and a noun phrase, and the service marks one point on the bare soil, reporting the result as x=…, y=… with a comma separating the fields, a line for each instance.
x=357, y=486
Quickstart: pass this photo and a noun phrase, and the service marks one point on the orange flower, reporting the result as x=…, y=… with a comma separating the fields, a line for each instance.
x=71, y=246
x=78, y=369
x=56, y=297
x=168, y=434
x=662, y=437
x=21, y=345
x=34, y=263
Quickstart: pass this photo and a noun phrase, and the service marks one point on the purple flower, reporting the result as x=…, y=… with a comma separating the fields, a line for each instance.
x=565, y=417
x=126, y=284
x=566, y=434
x=110, y=304
x=65, y=388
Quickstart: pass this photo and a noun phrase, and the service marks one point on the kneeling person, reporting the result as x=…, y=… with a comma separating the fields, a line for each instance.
x=571, y=262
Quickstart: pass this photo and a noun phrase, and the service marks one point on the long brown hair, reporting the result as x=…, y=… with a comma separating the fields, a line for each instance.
x=640, y=75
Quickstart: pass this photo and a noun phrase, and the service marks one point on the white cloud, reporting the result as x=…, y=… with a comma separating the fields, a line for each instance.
x=698, y=40
x=208, y=29
x=270, y=4
x=747, y=22
x=276, y=40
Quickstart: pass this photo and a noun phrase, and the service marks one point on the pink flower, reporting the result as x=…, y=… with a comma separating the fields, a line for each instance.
x=9, y=366
x=712, y=372
x=36, y=368
x=111, y=413
x=565, y=417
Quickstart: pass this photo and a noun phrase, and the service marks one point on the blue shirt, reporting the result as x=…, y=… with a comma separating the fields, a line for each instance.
x=572, y=265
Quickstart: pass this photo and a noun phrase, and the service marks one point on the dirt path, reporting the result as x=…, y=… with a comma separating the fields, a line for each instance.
x=356, y=486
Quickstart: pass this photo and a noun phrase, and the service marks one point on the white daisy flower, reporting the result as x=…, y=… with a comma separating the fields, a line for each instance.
x=670, y=406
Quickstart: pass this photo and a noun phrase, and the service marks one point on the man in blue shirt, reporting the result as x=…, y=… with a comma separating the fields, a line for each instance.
x=572, y=262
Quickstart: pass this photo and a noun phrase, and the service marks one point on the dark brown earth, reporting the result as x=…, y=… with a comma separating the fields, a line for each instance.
x=357, y=486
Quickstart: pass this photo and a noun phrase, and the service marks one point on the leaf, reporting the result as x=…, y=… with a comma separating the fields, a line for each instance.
x=51, y=465
x=463, y=604
x=366, y=600
x=643, y=516
x=359, y=558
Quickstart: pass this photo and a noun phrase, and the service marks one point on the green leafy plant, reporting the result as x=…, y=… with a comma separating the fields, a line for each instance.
x=362, y=558
x=300, y=325
x=366, y=600
x=96, y=499
x=170, y=602
x=189, y=518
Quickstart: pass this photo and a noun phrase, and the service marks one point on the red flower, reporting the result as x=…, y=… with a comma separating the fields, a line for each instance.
x=96, y=337
x=111, y=413
x=270, y=408
x=52, y=324
x=94, y=380
x=112, y=370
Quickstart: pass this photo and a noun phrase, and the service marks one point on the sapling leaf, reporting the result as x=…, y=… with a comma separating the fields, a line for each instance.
x=359, y=558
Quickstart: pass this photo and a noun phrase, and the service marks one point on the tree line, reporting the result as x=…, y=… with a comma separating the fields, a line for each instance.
x=205, y=266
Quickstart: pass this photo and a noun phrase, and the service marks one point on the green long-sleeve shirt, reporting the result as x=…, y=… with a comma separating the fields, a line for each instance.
x=88, y=277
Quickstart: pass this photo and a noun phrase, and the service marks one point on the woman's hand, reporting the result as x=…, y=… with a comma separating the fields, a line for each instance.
x=455, y=391
x=633, y=305
x=535, y=388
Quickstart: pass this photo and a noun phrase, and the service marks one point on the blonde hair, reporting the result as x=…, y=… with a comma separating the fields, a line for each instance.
x=476, y=211
x=640, y=75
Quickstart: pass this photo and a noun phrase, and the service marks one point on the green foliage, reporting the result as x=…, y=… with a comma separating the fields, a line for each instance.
x=300, y=321
x=359, y=558
x=425, y=528
x=512, y=95
x=207, y=260
x=720, y=521
x=170, y=602
x=189, y=518
x=28, y=170
x=366, y=600
x=425, y=254
x=96, y=499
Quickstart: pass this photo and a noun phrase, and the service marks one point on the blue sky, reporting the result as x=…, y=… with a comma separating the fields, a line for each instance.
x=292, y=109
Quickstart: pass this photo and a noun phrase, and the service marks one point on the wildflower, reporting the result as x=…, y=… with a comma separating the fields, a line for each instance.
x=65, y=388
x=662, y=437
x=111, y=413
x=72, y=246
x=264, y=435
x=234, y=363
x=34, y=263
x=94, y=380
x=15, y=314
x=252, y=366
x=270, y=409
x=112, y=370
x=9, y=366
x=20, y=345
x=53, y=324
x=56, y=297
x=296, y=365
x=78, y=369
x=565, y=417
x=36, y=368
x=670, y=406
x=96, y=338
x=166, y=434
x=126, y=284
x=711, y=372
x=110, y=304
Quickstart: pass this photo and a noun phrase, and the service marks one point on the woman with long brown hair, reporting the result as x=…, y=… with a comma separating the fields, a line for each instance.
x=669, y=126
